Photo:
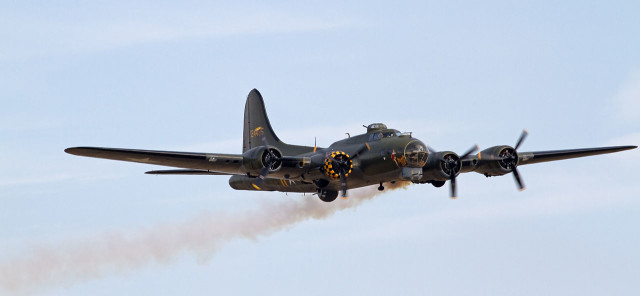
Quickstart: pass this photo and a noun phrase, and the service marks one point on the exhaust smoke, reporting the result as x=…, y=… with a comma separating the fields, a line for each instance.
x=80, y=260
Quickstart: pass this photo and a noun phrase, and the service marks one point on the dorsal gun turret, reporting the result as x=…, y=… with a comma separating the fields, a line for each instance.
x=376, y=127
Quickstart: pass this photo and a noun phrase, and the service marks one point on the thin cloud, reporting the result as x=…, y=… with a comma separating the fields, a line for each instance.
x=627, y=99
x=554, y=196
x=33, y=180
x=26, y=36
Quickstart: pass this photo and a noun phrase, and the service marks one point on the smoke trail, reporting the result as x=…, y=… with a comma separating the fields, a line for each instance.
x=115, y=252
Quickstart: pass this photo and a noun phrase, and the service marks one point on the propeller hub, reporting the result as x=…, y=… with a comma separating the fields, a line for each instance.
x=271, y=159
x=508, y=159
x=451, y=164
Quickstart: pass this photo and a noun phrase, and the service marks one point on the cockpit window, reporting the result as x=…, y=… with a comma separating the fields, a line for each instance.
x=382, y=135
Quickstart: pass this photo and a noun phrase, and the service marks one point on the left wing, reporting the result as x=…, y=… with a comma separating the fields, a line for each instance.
x=186, y=172
x=203, y=163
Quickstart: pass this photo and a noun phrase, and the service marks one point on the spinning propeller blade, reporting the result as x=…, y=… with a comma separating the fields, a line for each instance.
x=453, y=163
x=270, y=160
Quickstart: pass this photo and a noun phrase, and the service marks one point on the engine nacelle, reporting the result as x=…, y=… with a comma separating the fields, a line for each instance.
x=243, y=182
x=256, y=159
x=437, y=167
x=497, y=161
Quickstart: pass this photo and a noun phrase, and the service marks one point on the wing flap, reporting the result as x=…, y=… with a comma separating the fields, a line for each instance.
x=220, y=163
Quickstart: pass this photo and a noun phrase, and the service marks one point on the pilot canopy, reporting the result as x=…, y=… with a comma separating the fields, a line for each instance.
x=415, y=152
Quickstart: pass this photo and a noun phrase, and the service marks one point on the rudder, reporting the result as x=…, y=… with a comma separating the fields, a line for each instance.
x=256, y=123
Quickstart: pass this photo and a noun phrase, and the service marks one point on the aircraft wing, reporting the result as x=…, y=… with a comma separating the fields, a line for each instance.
x=553, y=155
x=186, y=172
x=202, y=163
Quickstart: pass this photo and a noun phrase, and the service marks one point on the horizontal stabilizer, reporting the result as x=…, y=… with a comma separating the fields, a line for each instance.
x=185, y=172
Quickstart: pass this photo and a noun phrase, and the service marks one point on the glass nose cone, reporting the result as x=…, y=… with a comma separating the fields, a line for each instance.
x=416, y=154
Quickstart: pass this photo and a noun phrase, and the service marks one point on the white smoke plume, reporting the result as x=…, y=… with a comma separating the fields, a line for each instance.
x=69, y=263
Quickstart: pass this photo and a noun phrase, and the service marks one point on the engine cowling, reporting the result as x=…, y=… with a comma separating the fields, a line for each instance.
x=497, y=160
x=441, y=166
x=336, y=164
x=258, y=158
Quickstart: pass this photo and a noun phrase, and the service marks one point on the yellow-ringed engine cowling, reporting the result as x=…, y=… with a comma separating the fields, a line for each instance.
x=336, y=164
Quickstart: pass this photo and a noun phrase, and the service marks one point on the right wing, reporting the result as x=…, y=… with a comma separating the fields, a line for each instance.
x=553, y=155
x=201, y=163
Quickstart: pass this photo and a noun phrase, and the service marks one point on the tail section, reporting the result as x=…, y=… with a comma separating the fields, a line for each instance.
x=256, y=123
x=257, y=126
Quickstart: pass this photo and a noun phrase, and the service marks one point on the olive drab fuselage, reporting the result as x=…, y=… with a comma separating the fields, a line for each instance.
x=380, y=155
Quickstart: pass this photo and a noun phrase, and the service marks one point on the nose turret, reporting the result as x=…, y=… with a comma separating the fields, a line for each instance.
x=416, y=154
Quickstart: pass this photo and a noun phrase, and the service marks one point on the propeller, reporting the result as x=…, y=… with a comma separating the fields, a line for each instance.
x=451, y=165
x=511, y=160
x=508, y=159
x=338, y=165
x=271, y=162
x=347, y=169
x=343, y=185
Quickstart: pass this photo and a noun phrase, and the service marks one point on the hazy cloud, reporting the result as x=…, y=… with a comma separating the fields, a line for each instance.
x=555, y=194
x=25, y=36
x=627, y=99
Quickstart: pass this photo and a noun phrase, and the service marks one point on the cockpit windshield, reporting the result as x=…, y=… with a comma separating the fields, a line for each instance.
x=382, y=135
x=388, y=134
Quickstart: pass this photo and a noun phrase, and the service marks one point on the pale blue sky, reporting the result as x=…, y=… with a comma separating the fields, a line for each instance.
x=175, y=77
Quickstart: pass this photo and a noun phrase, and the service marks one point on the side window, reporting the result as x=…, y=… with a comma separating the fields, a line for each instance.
x=375, y=137
x=386, y=152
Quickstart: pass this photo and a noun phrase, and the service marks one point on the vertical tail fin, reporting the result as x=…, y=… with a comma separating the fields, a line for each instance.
x=256, y=123
x=257, y=126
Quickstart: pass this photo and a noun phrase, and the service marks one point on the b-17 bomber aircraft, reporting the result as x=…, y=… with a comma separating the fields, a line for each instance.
x=379, y=156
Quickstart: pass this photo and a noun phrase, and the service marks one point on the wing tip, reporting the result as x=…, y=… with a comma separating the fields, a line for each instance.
x=80, y=151
x=72, y=150
x=623, y=148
